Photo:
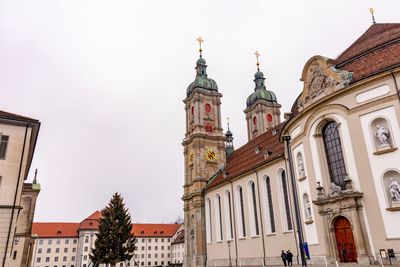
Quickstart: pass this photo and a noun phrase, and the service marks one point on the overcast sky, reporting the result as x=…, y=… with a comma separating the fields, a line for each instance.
x=107, y=79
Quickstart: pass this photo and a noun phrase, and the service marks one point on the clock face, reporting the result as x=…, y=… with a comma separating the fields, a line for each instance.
x=210, y=154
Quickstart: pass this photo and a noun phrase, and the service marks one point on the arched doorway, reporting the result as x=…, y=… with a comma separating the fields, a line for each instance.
x=344, y=240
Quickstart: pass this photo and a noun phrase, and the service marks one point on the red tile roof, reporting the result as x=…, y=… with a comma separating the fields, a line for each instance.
x=53, y=230
x=377, y=50
x=154, y=230
x=180, y=238
x=245, y=158
x=92, y=223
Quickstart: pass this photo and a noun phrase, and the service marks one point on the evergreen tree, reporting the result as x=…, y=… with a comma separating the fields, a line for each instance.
x=115, y=241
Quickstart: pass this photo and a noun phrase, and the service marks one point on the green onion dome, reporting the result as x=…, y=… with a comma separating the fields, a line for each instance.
x=260, y=91
x=201, y=80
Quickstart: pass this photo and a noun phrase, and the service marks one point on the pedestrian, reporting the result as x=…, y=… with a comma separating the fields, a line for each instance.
x=344, y=254
x=283, y=256
x=289, y=257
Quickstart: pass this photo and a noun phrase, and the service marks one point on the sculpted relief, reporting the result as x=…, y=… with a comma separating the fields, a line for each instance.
x=321, y=78
x=394, y=190
x=382, y=135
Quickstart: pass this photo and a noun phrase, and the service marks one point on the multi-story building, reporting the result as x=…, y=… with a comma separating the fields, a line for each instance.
x=335, y=157
x=178, y=248
x=18, y=136
x=70, y=244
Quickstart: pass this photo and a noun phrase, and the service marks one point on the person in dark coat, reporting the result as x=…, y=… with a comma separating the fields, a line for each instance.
x=283, y=256
x=289, y=257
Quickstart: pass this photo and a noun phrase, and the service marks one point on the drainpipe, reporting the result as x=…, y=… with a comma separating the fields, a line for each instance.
x=395, y=84
x=15, y=196
x=293, y=223
x=234, y=223
x=287, y=138
x=261, y=220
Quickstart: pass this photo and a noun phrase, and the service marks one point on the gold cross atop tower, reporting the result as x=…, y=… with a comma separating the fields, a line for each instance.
x=200, y=40
x=371, y=10
x=258, y=63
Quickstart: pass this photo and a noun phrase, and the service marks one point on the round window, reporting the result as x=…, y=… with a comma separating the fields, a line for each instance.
x=269, y=117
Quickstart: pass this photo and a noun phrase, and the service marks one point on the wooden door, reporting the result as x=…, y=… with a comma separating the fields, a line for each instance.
x=345, y=241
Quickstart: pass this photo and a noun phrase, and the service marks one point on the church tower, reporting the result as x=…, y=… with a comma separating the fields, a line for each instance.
x=204, y=153
x=262, y=111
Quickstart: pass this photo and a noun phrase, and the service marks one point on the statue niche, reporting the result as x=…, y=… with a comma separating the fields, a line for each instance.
x=391, y=183
x=381, y=135
x=300, y=166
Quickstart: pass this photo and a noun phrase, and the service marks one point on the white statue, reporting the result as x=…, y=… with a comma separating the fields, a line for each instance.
x=382, y=134
x=308, y=209
x=335, y=190
x=394, y=190
x=300, y=165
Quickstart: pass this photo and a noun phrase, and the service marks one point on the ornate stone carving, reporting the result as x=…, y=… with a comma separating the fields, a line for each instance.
x=394, y=190
x=321, y=78
x=300, y=165
x=335, y=190
x=382, y=135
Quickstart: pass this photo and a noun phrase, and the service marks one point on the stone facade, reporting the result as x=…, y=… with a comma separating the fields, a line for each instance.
x=344, y=129
x=204, y=151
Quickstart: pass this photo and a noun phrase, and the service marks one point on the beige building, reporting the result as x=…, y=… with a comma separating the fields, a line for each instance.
x=70, y=244
x=339, y=144
x=18, y=136
x=178, y=248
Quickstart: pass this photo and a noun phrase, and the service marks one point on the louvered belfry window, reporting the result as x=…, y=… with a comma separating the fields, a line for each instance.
x=334, y=154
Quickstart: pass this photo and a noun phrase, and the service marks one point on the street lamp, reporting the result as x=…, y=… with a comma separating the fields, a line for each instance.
x=229, y=251
x=287, y=138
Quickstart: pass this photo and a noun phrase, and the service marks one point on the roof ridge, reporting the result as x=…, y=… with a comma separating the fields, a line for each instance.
x=372, y=31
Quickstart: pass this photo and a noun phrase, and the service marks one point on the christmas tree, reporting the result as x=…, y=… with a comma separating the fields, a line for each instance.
x=115, y=241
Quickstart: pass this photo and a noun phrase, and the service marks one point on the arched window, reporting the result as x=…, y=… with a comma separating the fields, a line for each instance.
x=334, y=154
x=285, y=194
x=207, y=108
x=228, y=215
x=270, y=206
x=253, y=210
x=208, y=221
x=255, y=120
x=307, y=207
x=218, y=217
x=242, y=224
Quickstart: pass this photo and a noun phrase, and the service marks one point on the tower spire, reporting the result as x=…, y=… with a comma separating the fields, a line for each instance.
x=258, y=62
x=229, y=140
x=371, y=10
x=200, y=40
